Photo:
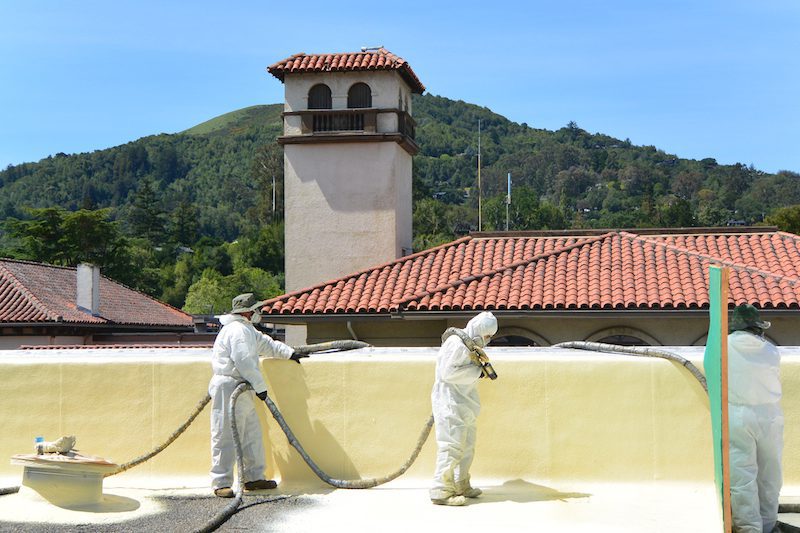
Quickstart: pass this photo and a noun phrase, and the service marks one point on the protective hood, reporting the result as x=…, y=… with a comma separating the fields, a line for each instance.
x=227, y=319
x=481, y=325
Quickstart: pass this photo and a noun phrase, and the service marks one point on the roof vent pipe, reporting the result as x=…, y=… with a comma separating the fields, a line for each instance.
x=89, y=289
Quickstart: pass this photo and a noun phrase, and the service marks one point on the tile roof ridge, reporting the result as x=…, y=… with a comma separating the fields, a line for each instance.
x=366, y=270
x=785, y=235
x=515, y=264
x=18, y=285
x=35, y=263
x=732, y=264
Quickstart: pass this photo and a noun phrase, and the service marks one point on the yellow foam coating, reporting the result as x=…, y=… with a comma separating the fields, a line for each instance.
x=553, y=415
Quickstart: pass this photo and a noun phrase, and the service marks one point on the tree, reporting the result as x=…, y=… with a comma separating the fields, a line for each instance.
x=786, y=218
x=262, y=248
x=147, y=218
x=212, y=293
x=54, y=235
x=183, y=223
x=429, y=217
x=267, y=173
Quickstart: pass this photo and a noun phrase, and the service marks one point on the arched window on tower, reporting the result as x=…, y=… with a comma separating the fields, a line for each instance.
x=359, y=96
x=319, y=97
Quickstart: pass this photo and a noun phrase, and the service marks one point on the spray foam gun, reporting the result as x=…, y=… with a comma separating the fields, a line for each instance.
x=476, y=353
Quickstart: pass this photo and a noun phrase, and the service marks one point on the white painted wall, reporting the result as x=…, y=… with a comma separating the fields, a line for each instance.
x=348, y=207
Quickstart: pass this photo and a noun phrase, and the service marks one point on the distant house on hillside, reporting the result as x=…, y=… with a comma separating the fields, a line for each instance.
x=43, y=304
x=647, y=287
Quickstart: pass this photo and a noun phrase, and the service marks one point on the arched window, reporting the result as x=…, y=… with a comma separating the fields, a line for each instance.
x=515, y=336
x=359, y=96
x=319, y=97
x=513, y=340
x=623, y=340
x=624, y=336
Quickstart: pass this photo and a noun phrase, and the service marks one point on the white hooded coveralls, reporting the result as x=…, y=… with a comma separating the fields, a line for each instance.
x=234, y=360
x=456, y=406
x=756, y=431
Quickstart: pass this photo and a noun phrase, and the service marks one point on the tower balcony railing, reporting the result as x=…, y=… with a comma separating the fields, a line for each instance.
x=350, y=125
x=365, y=120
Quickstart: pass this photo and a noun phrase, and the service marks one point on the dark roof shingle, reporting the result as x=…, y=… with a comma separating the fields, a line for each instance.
x=39, y=293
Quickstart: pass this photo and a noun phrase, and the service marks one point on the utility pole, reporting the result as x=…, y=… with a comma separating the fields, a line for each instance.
x=479, y=176
x=508, y=198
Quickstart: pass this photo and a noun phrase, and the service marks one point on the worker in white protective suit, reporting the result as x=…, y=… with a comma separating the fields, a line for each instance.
x=756, y=423
x=235, y=360
x=455, y=411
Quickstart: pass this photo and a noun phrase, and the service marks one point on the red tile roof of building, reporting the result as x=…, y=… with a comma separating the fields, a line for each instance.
x=46, y=294
x=617, y=270
x=380, y=59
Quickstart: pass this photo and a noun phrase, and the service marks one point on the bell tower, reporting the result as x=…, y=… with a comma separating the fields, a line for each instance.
x=348, y=140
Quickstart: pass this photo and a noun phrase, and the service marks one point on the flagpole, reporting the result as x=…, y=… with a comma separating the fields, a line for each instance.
x=480, y=219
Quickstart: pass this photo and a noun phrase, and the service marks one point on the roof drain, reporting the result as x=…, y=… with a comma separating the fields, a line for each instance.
x=352, y=331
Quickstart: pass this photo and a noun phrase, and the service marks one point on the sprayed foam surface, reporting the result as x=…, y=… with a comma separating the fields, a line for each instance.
x=401, y=506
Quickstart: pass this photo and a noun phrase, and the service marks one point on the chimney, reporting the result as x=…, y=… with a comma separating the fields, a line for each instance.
x=89, y=288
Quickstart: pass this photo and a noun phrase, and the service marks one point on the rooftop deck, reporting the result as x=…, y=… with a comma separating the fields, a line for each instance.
x=566, y=439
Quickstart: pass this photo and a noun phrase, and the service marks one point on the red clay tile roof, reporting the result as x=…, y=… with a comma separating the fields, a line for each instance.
x=616, y=270
x=380, y=59
x=38, y=293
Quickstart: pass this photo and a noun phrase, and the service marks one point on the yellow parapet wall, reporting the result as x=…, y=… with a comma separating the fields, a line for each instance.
x=552, y=414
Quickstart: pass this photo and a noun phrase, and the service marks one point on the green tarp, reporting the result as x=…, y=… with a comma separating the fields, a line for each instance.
x=712, y=364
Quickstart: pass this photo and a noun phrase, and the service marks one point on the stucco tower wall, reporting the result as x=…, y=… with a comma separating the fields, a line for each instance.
x=348, y=207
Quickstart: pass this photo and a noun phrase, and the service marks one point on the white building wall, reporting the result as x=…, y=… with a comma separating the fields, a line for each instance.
x=348, y=207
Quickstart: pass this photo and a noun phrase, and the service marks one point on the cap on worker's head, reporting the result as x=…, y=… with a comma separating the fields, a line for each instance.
x=746, y=316
x=244, y=303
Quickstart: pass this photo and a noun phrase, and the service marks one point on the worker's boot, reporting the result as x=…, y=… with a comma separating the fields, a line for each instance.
x=223, y=492
x=464, y=488
x=447, y=497
x=261, y=484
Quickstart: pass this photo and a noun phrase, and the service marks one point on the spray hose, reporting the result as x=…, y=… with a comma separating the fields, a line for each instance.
x=347, y=483
x=232, y=507
x=640, y=351
x=305, y=349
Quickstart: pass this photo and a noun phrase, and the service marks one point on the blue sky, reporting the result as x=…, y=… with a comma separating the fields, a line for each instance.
x=695, y=78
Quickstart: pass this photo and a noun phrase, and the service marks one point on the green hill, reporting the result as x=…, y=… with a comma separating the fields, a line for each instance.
x=237, y=121
x=212, y=184
x=593, y=179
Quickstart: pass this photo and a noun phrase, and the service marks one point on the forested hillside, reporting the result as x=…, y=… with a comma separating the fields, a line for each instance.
x=189, y=217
